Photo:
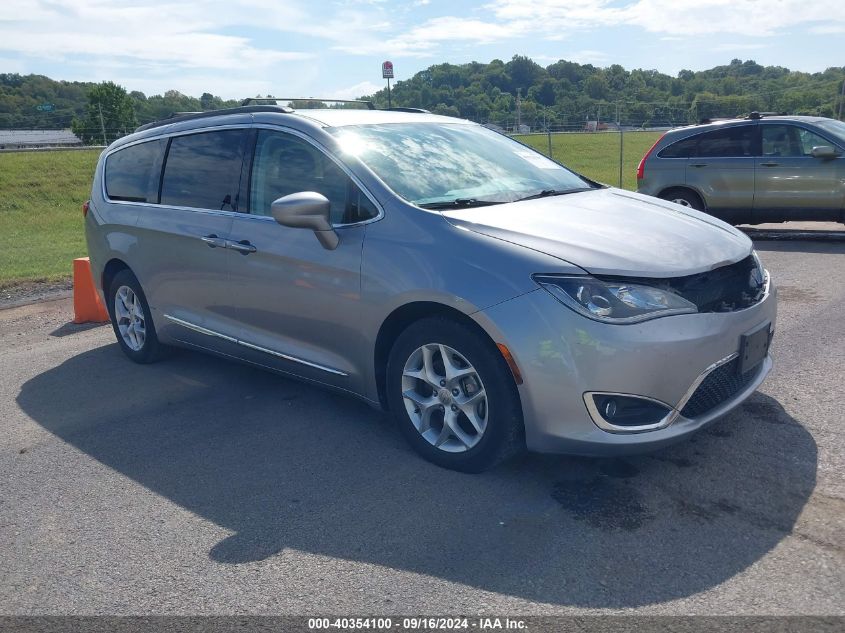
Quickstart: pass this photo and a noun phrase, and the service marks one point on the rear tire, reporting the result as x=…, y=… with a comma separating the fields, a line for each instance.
x=132, y=320
x=453, y=396
x=684, y=197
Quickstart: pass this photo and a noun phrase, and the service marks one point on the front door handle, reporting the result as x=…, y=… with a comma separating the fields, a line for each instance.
x=699, y=165
x=769, y=164
x=243, y=247
x=213, y=241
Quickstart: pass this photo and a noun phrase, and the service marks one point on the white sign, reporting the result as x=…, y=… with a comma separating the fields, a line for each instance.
x=387, y=70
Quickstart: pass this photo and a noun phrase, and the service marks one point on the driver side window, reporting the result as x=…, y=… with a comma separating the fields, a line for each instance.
x=284, y=164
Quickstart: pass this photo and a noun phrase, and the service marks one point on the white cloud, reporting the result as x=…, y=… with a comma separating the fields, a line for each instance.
x=358, y=90
x=676, y=17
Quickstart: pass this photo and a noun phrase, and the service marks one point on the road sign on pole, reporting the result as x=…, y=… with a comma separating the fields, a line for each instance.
x=45, y=107
x=387, y=73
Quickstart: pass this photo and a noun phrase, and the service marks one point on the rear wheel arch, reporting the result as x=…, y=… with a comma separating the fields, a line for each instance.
x=671, y=192
x=112, y=267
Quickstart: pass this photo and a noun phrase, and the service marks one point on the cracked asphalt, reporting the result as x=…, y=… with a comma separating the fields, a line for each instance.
x=198, y=486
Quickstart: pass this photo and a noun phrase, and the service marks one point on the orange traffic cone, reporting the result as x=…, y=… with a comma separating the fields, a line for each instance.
x=87, y=306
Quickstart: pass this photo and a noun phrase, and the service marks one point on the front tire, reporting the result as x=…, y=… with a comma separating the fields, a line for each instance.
x=132, y=320
x=453, y=396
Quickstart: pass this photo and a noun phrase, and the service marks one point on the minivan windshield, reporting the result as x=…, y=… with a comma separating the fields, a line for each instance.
x=441, y=165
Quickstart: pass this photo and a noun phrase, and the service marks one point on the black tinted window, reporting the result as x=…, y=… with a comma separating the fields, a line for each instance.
x=286, y=164
x=727, y=142
x=203, y=170
x=682, y=149
x=133, y=173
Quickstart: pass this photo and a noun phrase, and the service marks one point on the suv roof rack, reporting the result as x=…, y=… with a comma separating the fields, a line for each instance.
x=177, y=117
x=404, y=109
x=715, y=119
x=287, y=100
x=760, y=115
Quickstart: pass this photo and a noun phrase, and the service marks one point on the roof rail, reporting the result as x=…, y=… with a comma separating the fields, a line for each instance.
x=760, y=115
x=288, y=100
x=402, y=109
x=177, y=117
x=707, y=120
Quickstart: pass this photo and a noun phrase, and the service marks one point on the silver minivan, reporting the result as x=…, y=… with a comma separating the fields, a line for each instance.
x=491, y=299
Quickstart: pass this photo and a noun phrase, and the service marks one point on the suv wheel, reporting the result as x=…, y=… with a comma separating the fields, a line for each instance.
x=683, y=197
x=131, y=319
x=453, y=396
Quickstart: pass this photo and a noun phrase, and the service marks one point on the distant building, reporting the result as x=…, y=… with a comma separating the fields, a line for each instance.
x=26, y=139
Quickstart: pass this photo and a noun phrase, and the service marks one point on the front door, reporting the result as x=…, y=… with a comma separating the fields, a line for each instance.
x=790, y=182
x=297, y=302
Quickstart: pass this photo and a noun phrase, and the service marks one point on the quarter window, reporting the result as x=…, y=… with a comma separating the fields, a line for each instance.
x=285, y=164
x=132, y=173
x=682, y=149
x=203, y=170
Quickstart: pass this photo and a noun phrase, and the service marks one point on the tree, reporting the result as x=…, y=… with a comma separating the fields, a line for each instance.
x=109, y=115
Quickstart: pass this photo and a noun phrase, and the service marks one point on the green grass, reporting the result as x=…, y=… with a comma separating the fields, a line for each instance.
x=597, y=155
x=41, y=196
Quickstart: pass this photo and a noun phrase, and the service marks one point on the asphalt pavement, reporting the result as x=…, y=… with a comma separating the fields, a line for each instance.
x=199, y=486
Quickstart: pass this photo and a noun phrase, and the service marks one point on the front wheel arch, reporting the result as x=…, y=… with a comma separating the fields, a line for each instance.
x=402, y=318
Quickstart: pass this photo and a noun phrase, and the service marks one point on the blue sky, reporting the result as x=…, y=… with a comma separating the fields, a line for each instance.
x=334, y=48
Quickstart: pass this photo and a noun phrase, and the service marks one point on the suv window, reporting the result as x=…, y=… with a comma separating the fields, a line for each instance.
x=286, y=164
x=789, y=140
x=203, y=170
x=133, y=173
x=727, y=142
x=682, y=149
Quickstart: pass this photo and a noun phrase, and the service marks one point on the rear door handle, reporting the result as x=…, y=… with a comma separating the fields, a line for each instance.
x=213, y=241
x=243, y=247
x=699, y=165
x=769, y=164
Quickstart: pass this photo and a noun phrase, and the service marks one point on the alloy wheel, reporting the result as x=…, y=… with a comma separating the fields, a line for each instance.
x=129, y=315
x=445, y=398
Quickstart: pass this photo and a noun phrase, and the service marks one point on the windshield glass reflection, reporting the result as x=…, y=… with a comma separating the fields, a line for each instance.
x=429, y=164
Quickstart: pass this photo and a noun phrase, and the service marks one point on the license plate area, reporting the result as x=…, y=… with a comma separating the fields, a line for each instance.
x=753, y=347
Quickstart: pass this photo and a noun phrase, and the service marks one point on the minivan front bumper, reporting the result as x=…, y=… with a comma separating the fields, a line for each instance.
x=564, y=357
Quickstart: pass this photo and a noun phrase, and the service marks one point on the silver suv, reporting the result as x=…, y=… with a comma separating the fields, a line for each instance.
x=490, y=298
x=754, y=170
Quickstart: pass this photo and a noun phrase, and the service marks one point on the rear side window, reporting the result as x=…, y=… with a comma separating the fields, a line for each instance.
x=132, y=173
x=736, y=141
x=727, y=142
x=203, y=170
x=682, y=149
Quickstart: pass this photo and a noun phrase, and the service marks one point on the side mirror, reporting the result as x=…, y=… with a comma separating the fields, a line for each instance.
x=823, y=151
x=307, y=210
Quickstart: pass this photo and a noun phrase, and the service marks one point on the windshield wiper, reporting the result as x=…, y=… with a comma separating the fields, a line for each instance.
x=458, y=203
x=545, y=193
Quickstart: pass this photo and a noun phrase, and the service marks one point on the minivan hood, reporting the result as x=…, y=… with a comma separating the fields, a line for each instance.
x=612, y=232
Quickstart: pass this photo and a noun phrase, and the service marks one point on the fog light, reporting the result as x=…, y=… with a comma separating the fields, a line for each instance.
x=626, y=412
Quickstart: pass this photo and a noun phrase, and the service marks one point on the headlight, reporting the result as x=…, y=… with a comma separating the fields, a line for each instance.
x=614, y=301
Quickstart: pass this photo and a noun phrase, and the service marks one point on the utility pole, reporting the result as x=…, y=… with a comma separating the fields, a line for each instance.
x=102, y=124
x=518, y=109
x=841, y=101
